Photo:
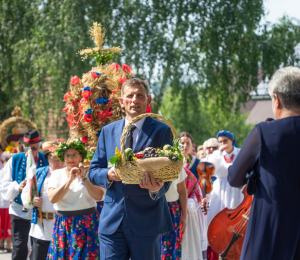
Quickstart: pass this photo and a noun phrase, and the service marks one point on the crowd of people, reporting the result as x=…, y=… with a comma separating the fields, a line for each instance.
x=91, y=214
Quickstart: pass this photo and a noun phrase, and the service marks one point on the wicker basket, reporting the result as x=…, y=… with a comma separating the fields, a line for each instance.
x=161, y=167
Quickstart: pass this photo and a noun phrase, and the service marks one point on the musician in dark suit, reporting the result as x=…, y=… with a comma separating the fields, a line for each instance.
x=272, y=149
x=133, y=216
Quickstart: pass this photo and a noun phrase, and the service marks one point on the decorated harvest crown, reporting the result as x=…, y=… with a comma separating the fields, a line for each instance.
x=93, y=100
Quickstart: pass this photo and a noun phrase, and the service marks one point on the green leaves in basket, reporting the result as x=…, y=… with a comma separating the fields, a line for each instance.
x=189, y=159
x=176, y=142
x=115, y=160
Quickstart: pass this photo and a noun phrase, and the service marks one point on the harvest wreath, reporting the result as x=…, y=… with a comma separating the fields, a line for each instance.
x=93, y=101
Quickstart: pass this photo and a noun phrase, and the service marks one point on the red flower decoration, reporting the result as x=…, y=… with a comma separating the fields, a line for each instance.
x=88, y=118
x=86, y=94
x=122, y=80
x=139, y=155
x=69, y=118
x=115, y=66
x=70, y=124
x=74, y=80
x=67, y=94
x=94, y=75
x=84, y=139
x=126, y=68
x=148, y=109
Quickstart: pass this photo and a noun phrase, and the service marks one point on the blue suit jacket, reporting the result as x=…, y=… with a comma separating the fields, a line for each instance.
x=147, y=217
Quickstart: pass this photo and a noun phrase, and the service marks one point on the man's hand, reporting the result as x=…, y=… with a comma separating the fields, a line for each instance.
x=37, y=202
x=22, y=185
x=182, y=224
x=112, y=175
x=149, y=183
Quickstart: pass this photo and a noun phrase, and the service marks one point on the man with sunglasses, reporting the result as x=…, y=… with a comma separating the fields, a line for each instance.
x=12, y=182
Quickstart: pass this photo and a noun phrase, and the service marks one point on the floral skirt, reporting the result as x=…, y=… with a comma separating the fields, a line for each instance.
x=100, y=206
x=171, y=242
x=75, y=238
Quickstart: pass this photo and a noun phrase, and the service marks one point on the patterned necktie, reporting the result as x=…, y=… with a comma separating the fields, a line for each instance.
x=129, y=137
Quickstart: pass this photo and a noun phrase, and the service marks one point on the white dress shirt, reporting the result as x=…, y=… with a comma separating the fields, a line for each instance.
x=136, y=132
x=36, y=230
x=10, y=189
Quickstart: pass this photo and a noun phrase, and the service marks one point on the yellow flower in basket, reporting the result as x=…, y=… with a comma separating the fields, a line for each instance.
x=117, y=152
x=9, y=148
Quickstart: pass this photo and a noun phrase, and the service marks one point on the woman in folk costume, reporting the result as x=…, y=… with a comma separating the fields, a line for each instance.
x=191, y=241
x=186, y=142
x=223, y=194
x=177, y=203
x=75, y=230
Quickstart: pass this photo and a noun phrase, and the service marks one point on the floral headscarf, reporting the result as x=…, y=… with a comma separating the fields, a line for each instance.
x=193, y=186
x=229, y=135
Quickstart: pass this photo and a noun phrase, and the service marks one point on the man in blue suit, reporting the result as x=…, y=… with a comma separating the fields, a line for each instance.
x=133, y=216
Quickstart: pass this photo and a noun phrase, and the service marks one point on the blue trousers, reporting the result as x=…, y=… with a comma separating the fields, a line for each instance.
x=124, y=244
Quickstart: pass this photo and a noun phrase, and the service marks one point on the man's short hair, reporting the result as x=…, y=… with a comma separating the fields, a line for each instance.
x=135, y=81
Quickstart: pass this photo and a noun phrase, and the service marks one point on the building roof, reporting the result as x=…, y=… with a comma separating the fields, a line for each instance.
x=261, y=110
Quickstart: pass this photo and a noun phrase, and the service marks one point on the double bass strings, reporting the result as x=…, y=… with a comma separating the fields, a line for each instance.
x=242, y=224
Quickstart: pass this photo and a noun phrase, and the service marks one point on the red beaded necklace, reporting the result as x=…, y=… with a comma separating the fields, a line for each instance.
x=230, y=159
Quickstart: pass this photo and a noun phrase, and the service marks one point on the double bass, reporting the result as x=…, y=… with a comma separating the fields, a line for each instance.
x=205, y=170
x=226, y=231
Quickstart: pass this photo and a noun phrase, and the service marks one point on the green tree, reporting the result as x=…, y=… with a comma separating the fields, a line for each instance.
x=188, y=111
x=216, y=46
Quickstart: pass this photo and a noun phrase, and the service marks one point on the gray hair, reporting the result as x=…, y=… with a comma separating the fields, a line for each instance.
x=135, y=81
x=212, y=140
x=286, y=84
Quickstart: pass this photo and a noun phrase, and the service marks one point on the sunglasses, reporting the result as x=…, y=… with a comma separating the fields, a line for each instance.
x=212, y=148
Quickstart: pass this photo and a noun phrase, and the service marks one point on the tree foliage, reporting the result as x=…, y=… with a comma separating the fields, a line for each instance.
x=189, y=111
x=217, y=47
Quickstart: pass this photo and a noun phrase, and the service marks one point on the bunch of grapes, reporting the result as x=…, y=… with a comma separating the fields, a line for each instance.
x=150, y=152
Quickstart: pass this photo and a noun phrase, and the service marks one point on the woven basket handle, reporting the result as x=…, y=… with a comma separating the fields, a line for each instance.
x=135, y=119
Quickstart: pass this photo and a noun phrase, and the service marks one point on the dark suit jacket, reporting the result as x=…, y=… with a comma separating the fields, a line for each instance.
x=147, y=217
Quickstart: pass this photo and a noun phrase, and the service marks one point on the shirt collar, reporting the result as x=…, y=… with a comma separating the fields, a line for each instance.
x=138, y=124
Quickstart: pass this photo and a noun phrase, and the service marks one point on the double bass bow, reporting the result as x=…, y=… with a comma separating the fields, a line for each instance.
x=205, y=170
x=226, y=231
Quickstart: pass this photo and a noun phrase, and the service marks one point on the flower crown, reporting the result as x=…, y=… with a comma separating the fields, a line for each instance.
x=78, y=146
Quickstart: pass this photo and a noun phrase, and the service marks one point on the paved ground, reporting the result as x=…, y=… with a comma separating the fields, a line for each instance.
x=5, y=256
